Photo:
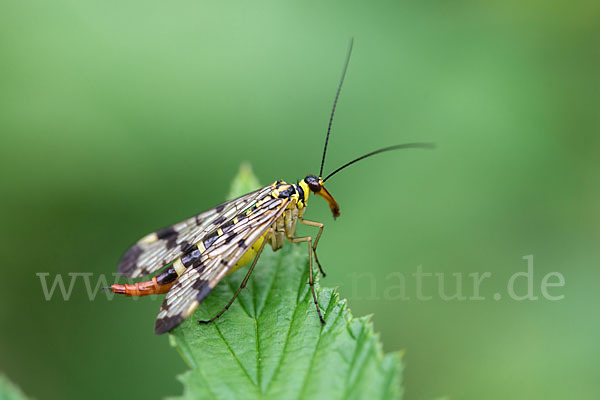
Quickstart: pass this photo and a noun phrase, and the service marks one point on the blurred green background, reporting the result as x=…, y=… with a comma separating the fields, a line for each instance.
x=121, y=117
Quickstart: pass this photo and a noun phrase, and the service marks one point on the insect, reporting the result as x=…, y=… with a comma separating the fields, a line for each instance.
x=198, y=252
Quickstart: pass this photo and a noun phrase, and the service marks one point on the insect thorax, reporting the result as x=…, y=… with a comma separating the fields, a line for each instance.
x=285, y=225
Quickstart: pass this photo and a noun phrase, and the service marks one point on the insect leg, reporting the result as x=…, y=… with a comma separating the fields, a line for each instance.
x=311, y=281
x=243, y=285
x=314, y=247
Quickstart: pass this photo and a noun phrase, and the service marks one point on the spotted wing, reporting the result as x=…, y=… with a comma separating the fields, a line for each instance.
x=162, y=247
x=196, y=282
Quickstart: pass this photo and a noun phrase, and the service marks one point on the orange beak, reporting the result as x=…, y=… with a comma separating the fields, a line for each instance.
x=333, y=205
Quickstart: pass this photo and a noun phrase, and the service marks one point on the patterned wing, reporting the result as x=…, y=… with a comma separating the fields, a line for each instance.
x=197, y=281
x=162, y=247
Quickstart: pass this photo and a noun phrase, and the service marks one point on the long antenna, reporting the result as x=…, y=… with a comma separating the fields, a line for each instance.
x=337, y=94
x=398, y=146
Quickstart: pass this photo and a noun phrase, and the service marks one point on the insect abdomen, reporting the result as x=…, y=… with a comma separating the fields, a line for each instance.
x=248, y=255
x=142, y=288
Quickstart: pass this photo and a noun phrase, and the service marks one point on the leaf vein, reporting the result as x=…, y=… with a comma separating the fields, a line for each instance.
x=234, y=355
x=285, y=344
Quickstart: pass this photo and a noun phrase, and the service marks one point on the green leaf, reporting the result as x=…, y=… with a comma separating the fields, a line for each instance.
x=8, y=391
x=271, y=345
x=244, y=182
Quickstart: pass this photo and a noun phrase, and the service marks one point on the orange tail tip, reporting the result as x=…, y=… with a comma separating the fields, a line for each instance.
x=142, y=288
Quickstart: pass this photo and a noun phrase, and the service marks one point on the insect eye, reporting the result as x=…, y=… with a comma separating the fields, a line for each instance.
x=313, y=183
